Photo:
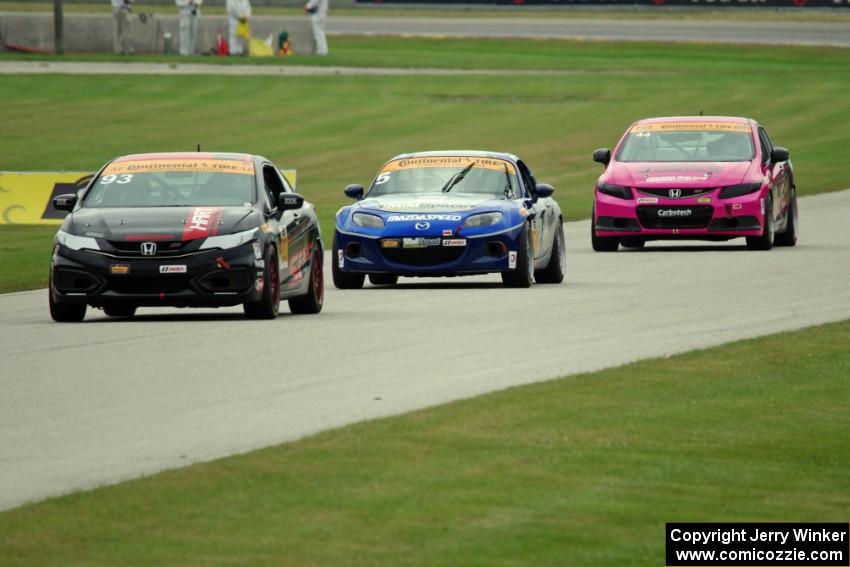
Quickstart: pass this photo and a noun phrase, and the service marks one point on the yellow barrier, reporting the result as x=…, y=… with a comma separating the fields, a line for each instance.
x=27, y=197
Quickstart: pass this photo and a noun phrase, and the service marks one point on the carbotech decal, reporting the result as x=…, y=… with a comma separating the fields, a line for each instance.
x=202, y=222
x=692, y=126
x=165, y=165
x=449, y=161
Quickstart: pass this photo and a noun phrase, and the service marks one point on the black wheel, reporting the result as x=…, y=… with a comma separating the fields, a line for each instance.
x=557, y=266
x=523, y=274
x=765, y=241
x=632, y=242
x=788, y=237
x=383, y=279
x=120, y=310
x=311, y=302
x=344, y=280
x=602, y=243
x=269, y=304
x=65, y=312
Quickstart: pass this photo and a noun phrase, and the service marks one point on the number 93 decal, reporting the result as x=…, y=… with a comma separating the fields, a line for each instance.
x=120, y=179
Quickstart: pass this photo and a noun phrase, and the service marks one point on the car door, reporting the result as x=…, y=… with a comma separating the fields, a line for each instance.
x=777, y=175
x=294, y=249
x=539, y=211
x=279, y=222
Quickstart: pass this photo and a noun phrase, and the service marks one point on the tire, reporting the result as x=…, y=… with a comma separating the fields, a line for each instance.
x=789, y=236
x=311, y=302
x=120, y=310
x=344, y=280
x=601, y=243
x=269, y=304
x=554, y=271
x=765, y=241
x=523, y=275
x=632, y=242
x=65, y=312
x=383, y=279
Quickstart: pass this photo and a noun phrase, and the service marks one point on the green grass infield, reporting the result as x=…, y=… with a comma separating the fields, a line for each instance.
x=583, y=470
x=337, y=130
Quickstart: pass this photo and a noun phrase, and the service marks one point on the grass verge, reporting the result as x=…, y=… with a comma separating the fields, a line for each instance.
x=467, y=11
x=577, y=471
x=337, y=130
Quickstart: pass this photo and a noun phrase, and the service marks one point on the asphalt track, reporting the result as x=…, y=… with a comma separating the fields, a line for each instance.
x=111, y=399
x=601, y=29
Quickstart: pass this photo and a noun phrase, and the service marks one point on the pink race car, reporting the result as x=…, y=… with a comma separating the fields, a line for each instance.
x=694, y=177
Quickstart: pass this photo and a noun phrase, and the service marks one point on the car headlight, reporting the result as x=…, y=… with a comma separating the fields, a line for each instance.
x=484, y=219
x=367, y=220
x=229, y=240
x=739, y=190
x=615, y=190
x=75, y=242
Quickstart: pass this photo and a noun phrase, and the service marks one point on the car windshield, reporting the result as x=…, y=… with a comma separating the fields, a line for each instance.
x=458, y=175
x=163, y=184
x=665, y=142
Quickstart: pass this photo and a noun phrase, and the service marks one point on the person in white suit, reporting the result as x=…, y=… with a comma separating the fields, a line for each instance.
x=318, y=10
x=190, y=11
x=237, y=11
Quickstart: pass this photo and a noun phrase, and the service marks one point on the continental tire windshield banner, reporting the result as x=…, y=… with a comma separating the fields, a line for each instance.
x=26, y=197
x=706, y=3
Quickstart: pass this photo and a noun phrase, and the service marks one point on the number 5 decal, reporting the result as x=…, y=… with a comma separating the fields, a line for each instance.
x=383, y=178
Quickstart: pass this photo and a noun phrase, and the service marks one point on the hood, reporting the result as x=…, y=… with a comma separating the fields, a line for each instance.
x=428, y=203
x=161, y=223
x=685, y=174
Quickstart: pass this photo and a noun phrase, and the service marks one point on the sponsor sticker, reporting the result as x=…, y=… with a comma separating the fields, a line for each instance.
x=454, y=242
x=119, y=269
x=512, y=260
x=423, y=217
x=201, y=222
x=675, y=212
x=265, y=227
x=340, y=258
x=192, y=165
x=390, y=243
x=173, y=269
x=643, y=200
x=449, y=161
x=737, y=206
x=259, y=263
x=259, y=285
x=692, y=126
x=447, y=232
x=284, y=251
x=258, y=252
x=676, y=178
x=419, y=242
x=703, y=199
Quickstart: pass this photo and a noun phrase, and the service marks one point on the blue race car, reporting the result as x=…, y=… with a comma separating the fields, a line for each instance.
x=450, y=214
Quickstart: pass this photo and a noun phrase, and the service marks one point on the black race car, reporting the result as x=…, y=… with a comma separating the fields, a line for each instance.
x=186, y=230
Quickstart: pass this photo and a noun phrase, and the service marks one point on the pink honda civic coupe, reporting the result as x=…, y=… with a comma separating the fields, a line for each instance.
x=694, y=178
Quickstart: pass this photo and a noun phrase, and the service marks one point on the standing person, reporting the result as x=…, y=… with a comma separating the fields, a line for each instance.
x=190, y=11
x=237, y=11
x=318, y=10
x=121, y=35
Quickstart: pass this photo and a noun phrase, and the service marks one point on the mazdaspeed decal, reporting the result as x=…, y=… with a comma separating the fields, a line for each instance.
x=449, y=161
x=692, y=126
x=423, y=217
x=164, y=165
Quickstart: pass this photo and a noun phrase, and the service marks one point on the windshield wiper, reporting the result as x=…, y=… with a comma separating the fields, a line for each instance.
x=456, y=178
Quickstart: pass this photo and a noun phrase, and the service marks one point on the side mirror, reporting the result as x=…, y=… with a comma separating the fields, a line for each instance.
x=354, y=191
x=602, y=155
x=65, y=202
x=779, y=154
x=289, y=201
x=544, y=190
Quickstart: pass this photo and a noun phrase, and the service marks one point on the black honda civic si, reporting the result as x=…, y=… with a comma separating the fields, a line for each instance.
x=186, y=230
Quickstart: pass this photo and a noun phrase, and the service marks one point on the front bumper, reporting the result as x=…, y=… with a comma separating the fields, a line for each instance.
x=480, y=254
x=210, y=278
x=680, y=218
